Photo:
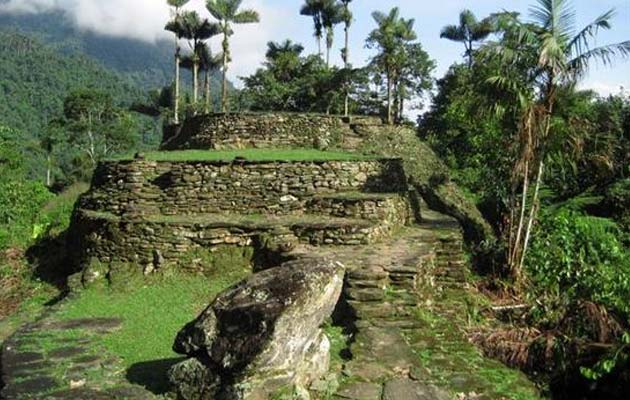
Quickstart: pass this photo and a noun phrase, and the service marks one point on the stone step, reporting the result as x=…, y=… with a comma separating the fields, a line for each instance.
x=364, y=295
x=407, y=285
x=380, y=310
x=401, y=269
x=362, y=284
x=395, y=323
x=365, y=274
x=390, y=208
x=402, y=277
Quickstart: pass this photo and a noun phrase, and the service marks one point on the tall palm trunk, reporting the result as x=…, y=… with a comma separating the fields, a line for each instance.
x=346, y=54
x=319, y=46
x=195, y=81
x=389, y=98
x=207, y=90
x=533, y=214
x=177, y=78
x=49, y=170
x=224, y=94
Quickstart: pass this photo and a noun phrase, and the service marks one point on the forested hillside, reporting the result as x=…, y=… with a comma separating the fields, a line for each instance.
x=147, y=65
x=35, y=79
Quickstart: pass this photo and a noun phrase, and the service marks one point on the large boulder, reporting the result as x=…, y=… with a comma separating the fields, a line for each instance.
x=262, y=335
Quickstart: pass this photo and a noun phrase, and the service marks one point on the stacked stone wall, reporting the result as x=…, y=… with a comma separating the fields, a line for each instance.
x=247, y=130
x=143, y=187
x=108, y=238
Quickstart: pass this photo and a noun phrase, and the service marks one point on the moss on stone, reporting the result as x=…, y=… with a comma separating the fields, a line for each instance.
x=428, y=174
x=253, y=155
x=218, y=259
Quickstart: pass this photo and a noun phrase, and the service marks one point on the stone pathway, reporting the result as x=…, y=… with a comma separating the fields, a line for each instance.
x=58, y=360
x=407, y=297
x=407, y=302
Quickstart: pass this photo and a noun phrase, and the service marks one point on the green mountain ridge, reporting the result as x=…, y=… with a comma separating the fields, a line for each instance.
x=35, y=79
x=147, y=65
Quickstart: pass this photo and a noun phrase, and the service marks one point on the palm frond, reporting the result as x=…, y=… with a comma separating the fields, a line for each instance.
x=246, y=17
x=216, y=9
x=453, y=32
x=580, y=43
x=578, y=66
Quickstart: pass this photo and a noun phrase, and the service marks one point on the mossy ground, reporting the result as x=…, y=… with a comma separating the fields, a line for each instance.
x=252, y=155
x=152, y=315
x=452, y=362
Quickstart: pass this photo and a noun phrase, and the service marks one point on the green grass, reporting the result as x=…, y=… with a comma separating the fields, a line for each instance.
x=152, y=315
x=252, y=155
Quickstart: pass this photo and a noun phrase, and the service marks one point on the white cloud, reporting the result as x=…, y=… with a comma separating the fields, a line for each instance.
x=603, y=88
x=145, y=20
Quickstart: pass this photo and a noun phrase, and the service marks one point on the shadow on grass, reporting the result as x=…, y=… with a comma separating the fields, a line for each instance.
x=152, y=374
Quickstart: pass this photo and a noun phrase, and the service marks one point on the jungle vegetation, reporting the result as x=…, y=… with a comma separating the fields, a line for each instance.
x=547, y=164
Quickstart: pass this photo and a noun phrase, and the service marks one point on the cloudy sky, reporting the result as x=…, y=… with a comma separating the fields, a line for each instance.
x=280, y=19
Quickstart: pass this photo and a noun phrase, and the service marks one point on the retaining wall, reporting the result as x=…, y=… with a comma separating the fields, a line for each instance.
x=247, y=130
x=141, y=187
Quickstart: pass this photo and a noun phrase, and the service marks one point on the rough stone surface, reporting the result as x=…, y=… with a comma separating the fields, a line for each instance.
x=141, y=187
x=71, y=366
x=405, y=389
x=261, y=335
x=233, y=131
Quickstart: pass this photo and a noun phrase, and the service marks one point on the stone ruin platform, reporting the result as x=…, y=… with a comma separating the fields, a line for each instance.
x=264, y=130
x=154, y=212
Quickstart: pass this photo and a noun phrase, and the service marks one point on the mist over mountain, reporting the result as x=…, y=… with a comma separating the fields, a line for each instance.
x=146, y=64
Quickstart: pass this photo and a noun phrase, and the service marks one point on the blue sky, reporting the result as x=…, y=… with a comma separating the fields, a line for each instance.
x=431, y=16
x=144, y=19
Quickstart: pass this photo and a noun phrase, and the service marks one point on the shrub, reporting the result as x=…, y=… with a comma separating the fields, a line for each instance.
x=20, y=205
x=578, y=257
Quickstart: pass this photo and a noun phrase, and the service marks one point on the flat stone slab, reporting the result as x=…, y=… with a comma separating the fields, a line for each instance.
x=360, y=391
x=67, y=367
x=79, y=394
x=66, y=352
x=29, y=388
x=12, y=357
x=405, y=389
x=91, y=324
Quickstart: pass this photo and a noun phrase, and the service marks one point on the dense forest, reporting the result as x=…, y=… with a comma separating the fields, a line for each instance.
x=144, y=64
x=547, y=164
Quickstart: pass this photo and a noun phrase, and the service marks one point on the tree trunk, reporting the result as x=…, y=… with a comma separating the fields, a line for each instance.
x=541, y=169
x=49, y=170
x=389, y=98
x=532, y=217
x=327, y=56
x=319, y=46
x=195, y=82
x=177, y=73
x=346, y=56
x=207, y=90
x=224, y=94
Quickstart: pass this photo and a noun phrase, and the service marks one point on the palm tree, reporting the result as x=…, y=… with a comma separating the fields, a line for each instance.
x=175, y=27
x=276, y=49
x=315, y=9
x=331, y=16
x=390, y=37
x=469, y=31
x=556, y=57
x=346, y=16
x=208, y=64
x=197, y=31
x=228, y=13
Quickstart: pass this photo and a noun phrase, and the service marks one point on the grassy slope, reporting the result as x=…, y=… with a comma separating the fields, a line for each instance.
x=253, y=155
x=153, y=312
